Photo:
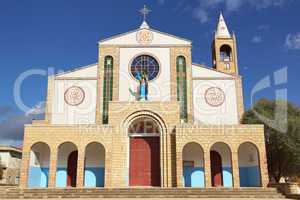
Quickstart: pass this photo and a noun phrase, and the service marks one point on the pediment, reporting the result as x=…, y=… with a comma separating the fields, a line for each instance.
x=149, y=37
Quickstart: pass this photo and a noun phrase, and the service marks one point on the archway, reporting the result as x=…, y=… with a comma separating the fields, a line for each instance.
x=66, y=172
x=249, y=168
x=94, y=167
x=221, y=167
x=225, y=53
x=193, y=165
x=144, y=152
x=39, y=165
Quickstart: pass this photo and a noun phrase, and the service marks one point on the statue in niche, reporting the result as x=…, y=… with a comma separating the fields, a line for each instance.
x=142, y=89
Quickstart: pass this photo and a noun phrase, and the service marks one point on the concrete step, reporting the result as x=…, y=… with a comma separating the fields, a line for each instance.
x=254, y=193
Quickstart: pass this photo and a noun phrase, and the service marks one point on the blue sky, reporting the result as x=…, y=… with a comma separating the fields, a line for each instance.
x=63, y=35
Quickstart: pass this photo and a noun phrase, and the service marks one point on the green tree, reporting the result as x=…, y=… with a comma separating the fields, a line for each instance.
x=283, y=147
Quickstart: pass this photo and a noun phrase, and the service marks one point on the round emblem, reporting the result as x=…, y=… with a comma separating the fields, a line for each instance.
x=144, y=36
x=214, y=96
x=74, y=96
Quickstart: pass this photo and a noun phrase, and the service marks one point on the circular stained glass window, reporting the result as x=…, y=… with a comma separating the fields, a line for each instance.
x=144, y=64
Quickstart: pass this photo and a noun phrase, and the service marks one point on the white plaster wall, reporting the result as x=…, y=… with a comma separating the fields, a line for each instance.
x=207, y=114
x=85, y=113
x=39, y=156
x=225, y=153
x=193, y=152
x=248, y=155
x=4, y=158
x=63, y=154
x=159, y=88
x=95, y=155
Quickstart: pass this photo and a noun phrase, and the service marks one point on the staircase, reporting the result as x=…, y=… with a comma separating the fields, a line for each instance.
x=225, y=193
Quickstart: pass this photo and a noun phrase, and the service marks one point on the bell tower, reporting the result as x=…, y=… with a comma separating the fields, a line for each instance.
x=224, y=52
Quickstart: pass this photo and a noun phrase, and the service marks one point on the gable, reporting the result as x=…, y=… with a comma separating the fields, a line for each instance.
x=89, y=71
x=158, y=38
x=200, y=71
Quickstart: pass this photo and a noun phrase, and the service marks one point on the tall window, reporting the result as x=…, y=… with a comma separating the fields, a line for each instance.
x=107, y=87
x=181, y=86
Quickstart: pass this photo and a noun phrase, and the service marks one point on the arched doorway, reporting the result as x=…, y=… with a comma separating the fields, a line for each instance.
x=66, y=172
x=39, y=165
x=94, y=167
x=193, y=165
x=144, y=152
x=249, y=168
x=216, y=169
x=221, y=167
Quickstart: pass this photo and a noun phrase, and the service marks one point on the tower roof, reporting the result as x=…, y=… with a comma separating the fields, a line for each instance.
x=222, y=30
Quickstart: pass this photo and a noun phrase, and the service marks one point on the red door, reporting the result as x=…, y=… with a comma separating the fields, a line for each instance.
x=216, y=169
x=72, y=169
x=144, y=165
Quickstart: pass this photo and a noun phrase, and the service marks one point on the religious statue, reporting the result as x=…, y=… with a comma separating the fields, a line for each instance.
x=142, y=77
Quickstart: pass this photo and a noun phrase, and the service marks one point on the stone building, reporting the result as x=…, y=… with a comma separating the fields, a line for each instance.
x=10, y=162
x=146, y=115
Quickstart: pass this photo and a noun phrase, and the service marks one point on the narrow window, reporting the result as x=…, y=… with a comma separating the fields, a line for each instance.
x=182, y=87
x=107, y=87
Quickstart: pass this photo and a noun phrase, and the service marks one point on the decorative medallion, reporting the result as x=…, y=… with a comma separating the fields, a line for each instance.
x=74, y=96
x=214, y=96
x=144, y=36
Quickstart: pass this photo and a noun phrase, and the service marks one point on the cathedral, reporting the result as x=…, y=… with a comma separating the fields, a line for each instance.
x=145, y=115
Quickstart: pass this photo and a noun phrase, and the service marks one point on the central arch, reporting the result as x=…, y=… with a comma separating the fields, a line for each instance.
x=144, y=152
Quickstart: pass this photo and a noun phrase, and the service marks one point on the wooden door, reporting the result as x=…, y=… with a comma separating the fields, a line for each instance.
x=72, y=169
x=216, y=169
x=144, y=161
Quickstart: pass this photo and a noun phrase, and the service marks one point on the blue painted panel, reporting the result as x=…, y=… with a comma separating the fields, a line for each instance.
x=193, y=176
x=94, y=176
x=38, y=177
x=61, y=177
x=227, y=176
x=249, y=176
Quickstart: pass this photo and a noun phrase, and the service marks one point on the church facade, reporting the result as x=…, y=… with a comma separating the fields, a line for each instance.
x=146, y=115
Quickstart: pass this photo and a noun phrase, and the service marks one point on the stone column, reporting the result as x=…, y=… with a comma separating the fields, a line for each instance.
x=80, y=168
x=52, y=168
x=207, y=169
x=179, y=169
x=24, y=167
x=263, y=167
x=235, y=169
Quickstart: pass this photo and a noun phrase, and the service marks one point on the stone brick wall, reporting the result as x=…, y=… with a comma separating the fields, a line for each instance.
x=233, y=136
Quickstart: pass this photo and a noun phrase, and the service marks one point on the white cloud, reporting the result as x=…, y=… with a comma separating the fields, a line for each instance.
x=12, y=127
x=292, y=41
x=201, y=12
x=201, y=15
x=256, y=39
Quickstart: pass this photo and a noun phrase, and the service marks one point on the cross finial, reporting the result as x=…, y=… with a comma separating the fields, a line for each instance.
x=145, y=11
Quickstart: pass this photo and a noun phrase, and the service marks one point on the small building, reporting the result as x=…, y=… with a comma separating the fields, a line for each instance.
x=10, y=161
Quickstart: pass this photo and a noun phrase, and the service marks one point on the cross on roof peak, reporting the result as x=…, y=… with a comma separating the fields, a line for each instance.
x=145, y=11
